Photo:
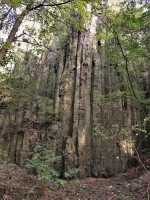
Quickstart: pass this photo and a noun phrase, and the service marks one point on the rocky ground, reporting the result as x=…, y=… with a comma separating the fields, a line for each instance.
x=19, y=184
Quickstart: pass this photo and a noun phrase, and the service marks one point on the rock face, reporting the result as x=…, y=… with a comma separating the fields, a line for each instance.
x=88, y=131
x=99, y=132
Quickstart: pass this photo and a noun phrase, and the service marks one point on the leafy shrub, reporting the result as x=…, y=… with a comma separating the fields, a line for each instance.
x=42, y=162
x=123, y=197
x=71, y=173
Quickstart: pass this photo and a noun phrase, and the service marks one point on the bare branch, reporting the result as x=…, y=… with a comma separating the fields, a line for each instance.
x=36, y=43
x=126, y=61
x=112, y=29
x=19, y=36
x=50, y=5
x=139, y=159
x=148, y=196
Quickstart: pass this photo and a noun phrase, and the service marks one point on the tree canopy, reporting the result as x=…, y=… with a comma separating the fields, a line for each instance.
x=123, y=32
x=50, y=14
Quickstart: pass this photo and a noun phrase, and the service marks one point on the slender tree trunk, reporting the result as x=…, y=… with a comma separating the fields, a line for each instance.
x=11, y=37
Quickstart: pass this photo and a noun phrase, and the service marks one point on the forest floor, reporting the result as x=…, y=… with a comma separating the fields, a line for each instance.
x=18, y=184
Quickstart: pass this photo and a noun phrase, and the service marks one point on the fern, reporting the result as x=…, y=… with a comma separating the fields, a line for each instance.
x=42, y=162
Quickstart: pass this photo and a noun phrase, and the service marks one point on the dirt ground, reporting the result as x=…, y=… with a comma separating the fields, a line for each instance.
x=19, y=184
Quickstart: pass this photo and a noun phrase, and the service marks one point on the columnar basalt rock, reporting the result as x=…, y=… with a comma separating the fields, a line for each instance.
x=101, y=132
x=89, y=133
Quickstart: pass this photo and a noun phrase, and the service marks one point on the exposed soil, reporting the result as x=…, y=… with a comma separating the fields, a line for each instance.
x=19, y=184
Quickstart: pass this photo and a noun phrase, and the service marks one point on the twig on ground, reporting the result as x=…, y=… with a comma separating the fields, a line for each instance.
x=139, y=159
x=111, y=198
x=148, y=196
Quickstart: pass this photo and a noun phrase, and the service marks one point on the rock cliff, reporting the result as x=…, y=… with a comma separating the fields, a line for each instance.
x=69, y=110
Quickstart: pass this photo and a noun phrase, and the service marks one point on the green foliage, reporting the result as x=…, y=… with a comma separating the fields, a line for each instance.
x=135, y=186
x=8, y=57
x=71, y=173
x=123, y=197
x=23, y=92
x=4, y=157
x=124, y=38
x=61, y=183
x=53, y=18
x=143, y=127
x=48, y=87
x=42, y=162
x=111, y=131
x=146, y=151
x=5, y=90
x=43, y=108
x=143, y=131
x=112, y=97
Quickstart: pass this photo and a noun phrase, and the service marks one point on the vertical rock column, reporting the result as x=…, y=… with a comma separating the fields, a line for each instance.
x=73, y=98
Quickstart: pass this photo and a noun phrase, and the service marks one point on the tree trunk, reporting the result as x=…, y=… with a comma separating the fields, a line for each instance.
x=11, y=37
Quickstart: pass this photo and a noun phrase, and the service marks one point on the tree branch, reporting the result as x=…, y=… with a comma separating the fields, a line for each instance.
x=139, y=159
x=126, y=61
x=36, y=43
x=123, y=54
x=49, y=5
x=19, y=36
x=14, y=30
